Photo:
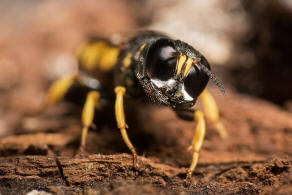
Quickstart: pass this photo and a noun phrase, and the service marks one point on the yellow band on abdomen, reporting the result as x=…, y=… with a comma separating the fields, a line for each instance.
x=98, y=55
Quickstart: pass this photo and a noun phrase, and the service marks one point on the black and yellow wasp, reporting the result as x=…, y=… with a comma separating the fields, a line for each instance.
x=152, y=65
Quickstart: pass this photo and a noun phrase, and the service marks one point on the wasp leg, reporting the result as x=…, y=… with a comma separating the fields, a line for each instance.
x=121, y=123
x=87, y=116
x=212, y=113
x=197, y=142
x=59, y=88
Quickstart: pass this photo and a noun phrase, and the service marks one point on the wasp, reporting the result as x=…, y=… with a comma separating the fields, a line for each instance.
x=149, y=65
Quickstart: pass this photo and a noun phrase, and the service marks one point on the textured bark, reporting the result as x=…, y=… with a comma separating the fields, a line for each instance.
x=114, y=173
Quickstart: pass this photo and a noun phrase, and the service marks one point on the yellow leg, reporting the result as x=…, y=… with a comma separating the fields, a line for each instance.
x=197, y=142
x=212, y=112
x=87, y=115
x=60, y=87
x=121, y=123
x=58, y=90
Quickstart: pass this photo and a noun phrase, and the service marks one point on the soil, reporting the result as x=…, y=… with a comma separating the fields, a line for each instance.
x=38, y=149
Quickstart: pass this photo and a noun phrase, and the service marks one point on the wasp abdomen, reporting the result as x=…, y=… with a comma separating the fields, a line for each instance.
x=97, y=55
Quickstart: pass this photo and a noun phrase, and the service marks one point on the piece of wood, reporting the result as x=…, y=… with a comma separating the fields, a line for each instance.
x=97, y=173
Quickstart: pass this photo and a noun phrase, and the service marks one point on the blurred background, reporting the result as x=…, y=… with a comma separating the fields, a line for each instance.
x=248, y=43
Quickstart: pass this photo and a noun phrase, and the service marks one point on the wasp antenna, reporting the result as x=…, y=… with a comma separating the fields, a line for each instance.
x=213, y=78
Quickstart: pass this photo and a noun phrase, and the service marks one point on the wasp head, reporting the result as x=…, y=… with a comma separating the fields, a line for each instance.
x=175, y=74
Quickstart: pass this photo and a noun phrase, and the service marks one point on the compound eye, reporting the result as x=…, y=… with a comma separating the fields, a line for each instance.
x=160, y=62
x=196, y=80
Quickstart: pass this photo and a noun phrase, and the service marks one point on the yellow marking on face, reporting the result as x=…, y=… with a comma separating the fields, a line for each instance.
x=180, y=62
x=190, y=62
x=137, y=54
x=97, y=55
x=142, y=46
x=189, y=65
x=127, y=60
